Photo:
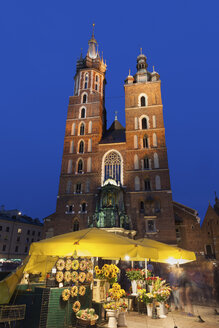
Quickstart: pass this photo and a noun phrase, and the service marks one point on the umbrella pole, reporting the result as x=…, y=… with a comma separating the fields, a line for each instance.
x=146, y=270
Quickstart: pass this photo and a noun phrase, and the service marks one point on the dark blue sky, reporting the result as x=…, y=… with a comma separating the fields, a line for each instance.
x=40, y=43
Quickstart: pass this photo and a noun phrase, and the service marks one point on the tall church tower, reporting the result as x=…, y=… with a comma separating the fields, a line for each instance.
x=147, y=174
x=85, y=125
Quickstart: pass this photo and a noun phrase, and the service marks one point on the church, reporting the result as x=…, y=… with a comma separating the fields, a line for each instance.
x=116, y=178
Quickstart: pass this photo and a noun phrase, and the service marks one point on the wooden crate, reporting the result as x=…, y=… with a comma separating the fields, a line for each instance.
x=100, y=288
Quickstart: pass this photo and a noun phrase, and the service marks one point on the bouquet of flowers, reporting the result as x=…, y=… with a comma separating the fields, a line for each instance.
x=87, y=315
x=163, y=293
x=151, y=280
x=135, y=274
x=108, y=272
x=145, y=297
x=110, y=306
x=123, y=306
x=116, y=292
x=161, y=290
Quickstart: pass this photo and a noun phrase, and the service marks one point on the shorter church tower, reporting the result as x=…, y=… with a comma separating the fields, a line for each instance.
x=149, y=195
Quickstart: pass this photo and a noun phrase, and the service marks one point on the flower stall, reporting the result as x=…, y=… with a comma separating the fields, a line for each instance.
x=69, y=284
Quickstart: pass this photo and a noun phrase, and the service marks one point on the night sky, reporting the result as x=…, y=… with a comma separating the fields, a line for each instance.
x=40, y=42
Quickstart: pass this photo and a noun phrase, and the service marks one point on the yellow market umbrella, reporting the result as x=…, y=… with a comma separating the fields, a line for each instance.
x=8, y=285
x=92, y=242
x=168, y=254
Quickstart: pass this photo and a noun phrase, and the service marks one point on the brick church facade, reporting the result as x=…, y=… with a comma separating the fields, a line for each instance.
x=116, y=178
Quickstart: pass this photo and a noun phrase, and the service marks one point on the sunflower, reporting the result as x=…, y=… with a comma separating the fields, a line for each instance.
x=60, y=264
x=59, y=276
x=89, y=277
x=82, y=290
x=68, y=265
x=65, y=294
x=74, y=291
x=76, y=306
x=74, y=276
x=82, y=276
x=67, y=276
x=75, y=265
x=98, y=271
x=83, y=265
x=106, y=273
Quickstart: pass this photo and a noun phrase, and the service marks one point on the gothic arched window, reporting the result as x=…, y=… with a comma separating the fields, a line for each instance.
x=146, y=163
x=81, y=147
x=145, y=142
x=82, y=129
x=144, y=123
x=86, y=81
x=143, y=101
x=112, y=167
x=96, y=82
x=147, y=184
x=84, y=100
x=83, y=112
x=80, y=166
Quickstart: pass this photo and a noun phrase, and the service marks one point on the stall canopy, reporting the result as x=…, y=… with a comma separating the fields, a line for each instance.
x=167, y=253
x=91, y=242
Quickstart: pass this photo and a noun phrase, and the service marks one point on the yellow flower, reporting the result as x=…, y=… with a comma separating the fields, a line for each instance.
x=106, y=274
x=98, y=271
x=96, y=268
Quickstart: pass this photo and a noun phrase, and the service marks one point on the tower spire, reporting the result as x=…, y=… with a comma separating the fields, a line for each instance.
x=92, y=48
x=93, y=31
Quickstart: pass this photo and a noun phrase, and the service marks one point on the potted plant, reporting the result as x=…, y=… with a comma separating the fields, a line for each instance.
x=111, y=310
x=135, y=275
x=148, y=299
x=115, y=293
x=162, y=293
x=122, y=312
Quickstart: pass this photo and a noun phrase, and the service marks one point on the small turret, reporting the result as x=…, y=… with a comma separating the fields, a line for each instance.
x=142, y=74
x=155, y=76
x=129, y=79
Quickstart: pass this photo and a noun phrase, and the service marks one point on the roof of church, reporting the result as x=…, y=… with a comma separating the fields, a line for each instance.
x=115, y=134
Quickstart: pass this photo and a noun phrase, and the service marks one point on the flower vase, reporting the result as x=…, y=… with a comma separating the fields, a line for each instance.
x=149, y=309
x=162, y=310
x=112, y=322
x=150, y=288
x=134, y=287
x=122, y=319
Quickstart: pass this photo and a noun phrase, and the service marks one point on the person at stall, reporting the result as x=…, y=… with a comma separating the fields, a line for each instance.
x=173, y=279
x=123, y=279
x=185, y=292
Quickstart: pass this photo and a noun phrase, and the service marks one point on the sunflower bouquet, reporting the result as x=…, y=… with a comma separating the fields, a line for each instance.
x=116, y=292
x=110, y=306
x=145, y=297
x=108, y=272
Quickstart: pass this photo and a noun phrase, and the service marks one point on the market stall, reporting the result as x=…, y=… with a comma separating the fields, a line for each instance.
x=69, y=289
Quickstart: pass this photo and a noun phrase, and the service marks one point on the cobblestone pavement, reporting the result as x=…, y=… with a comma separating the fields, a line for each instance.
x=176, y=319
